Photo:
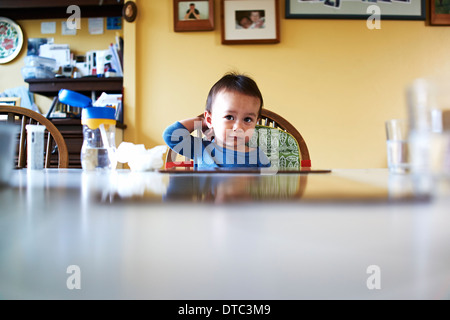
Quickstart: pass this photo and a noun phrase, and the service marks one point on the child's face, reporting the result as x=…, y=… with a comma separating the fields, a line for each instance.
x=254, y=16
x=233, y=119
x=246, y=22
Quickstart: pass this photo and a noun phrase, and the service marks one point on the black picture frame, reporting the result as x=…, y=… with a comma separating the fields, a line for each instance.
x=352, y=9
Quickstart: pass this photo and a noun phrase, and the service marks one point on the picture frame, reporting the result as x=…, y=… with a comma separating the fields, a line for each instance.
x=355, y=9
x=439, y=13
x=193, y=15
x=129, y=11
x=250, y=21
x=10, y=101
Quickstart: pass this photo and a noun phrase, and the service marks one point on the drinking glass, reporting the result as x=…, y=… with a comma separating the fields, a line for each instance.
x=8, y=142
x=429, y=127
x=397, y=145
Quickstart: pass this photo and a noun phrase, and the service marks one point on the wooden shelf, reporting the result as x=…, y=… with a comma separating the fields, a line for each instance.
x=87, y=85
x=77, y=122
x=71, y=129
x=41, y=9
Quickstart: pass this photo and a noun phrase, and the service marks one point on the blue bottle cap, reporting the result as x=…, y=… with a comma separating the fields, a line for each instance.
x=99, y=113
x=74, y=99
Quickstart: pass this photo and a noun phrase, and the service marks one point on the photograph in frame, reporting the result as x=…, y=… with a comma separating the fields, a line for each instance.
x=250, y=21
x=193, y=15
x=355, y=9
x=440, y=12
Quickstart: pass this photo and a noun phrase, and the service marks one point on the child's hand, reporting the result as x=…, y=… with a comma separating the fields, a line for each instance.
x=207, y=131
x=209, y=134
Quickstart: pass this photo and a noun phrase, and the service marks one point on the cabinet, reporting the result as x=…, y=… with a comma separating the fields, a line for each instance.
x=71, y=129
x=72, y=132
x=43, y=9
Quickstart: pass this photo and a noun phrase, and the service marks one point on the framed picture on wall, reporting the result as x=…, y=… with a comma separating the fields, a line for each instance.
x=250, y=21
x=193, y=15
x=440, y=12
x=356, y=9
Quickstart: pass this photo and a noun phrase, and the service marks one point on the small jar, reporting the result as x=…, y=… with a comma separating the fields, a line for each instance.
x=99, y=131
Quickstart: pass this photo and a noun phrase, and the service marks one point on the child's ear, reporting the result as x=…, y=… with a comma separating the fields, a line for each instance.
x=208, y=119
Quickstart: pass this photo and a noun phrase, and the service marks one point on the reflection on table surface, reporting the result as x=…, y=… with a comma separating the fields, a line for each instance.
x=159, y=236
x=249, y=187
x=128, y=186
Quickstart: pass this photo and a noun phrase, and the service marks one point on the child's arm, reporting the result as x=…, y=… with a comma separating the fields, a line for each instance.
x=192, y=124
x=178, y=135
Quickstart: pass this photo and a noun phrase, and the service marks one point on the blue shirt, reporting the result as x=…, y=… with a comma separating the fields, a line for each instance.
x=207, y=154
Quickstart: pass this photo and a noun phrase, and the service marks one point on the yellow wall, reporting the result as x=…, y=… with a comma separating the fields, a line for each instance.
x=335, y=80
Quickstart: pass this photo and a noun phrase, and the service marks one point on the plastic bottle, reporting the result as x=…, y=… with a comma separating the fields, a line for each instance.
x=99, y=130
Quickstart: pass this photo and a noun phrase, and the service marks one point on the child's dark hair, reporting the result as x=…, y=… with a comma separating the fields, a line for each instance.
x=234, y=82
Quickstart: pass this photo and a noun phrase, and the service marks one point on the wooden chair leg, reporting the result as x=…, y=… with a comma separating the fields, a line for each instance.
x=48, y=152
x=11, y=118
x=22, y=161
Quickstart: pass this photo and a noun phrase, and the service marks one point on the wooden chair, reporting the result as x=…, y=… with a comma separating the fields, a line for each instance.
x=274, y=120
x=26, y=116
x=269, y=119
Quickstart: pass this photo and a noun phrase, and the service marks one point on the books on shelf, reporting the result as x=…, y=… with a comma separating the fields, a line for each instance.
x=100, y=62
x=116, y=61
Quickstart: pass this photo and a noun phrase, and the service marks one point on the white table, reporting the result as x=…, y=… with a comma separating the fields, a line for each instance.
x=130, y=242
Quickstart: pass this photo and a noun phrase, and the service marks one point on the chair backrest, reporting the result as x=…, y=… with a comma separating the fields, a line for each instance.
x=274, y=120
x=25, y=116
x=268, y=119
